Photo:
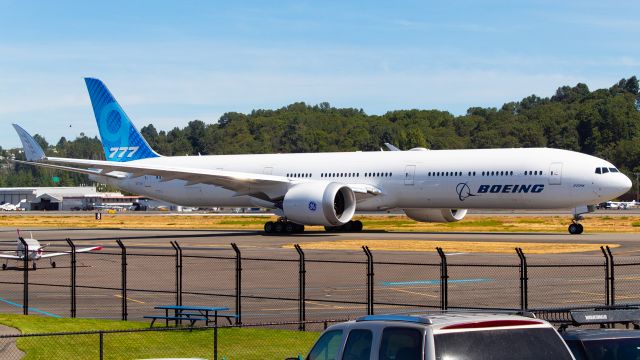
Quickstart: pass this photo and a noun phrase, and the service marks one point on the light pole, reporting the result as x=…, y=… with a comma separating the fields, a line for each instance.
x=637, y=187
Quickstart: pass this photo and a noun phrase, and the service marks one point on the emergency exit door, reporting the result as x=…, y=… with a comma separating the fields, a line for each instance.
x=409, y=174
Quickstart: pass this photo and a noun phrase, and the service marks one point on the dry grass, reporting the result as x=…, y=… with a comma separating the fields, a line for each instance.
x=453, y=246
x=473, y=223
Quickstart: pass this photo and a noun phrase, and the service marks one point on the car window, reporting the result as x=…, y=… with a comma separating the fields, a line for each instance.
x=521, y=344
x=626, y=348
x=576, y=348
x=326, y=348
x=401, y=344
x=358, y=346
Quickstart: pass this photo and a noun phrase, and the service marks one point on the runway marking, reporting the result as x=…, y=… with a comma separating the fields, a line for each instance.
x=130, y=299
x=434, y=282
x=30, y=309
x=414, y=292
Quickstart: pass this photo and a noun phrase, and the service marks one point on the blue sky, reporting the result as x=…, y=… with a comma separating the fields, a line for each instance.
x=168, y=63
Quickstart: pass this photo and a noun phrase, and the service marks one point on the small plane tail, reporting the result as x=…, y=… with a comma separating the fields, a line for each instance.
x=32, y=151
x=121, y=140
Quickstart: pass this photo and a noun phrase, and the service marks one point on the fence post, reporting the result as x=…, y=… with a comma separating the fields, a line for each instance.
x=123, y=273
x=178, y=250
x=444, y=280
x=607, y=290
x=302, y=284
x=215, y=341
x=73, y=277
x=370, y=284
x=612, y=278
x=25, y=285
x=238, y=283
x=524, y=280
x=101, y=345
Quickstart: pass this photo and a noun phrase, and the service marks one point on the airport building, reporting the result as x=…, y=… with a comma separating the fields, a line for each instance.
x=65, y=198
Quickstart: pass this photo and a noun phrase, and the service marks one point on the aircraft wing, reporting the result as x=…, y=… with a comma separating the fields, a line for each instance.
x=8, y=256
x=94, y=248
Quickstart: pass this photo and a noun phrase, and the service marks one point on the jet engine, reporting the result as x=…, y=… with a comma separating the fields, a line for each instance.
x=436, y=215
x=319, y=203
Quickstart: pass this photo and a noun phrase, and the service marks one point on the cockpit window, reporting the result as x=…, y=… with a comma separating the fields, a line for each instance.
x=605, y=170
x=598, y=170
x=613, y=170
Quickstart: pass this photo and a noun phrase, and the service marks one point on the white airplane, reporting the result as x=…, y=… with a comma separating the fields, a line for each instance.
x=327, y=188
x=12, y=207
x=35, y=251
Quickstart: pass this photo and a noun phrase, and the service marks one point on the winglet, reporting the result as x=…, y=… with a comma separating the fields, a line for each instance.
x=120, y=138
x=391, y=147
x=32, y=151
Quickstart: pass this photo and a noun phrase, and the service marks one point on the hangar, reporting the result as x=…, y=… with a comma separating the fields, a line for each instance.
x=63, y=198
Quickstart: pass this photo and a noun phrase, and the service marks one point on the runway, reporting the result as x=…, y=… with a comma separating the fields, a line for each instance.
x=335, y=279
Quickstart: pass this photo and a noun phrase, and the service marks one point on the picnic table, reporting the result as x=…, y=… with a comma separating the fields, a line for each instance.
x=192, y=314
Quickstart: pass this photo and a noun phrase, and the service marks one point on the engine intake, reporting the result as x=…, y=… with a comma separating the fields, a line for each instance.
x=319, y=203
x=436, y=215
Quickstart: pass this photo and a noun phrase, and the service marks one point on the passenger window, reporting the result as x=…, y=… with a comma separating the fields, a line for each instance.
x=326, y=348
x=400, y=343
x=358, y=346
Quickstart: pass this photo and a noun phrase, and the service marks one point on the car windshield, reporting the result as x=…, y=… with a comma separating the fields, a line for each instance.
x=521, y=344
x=610, y=349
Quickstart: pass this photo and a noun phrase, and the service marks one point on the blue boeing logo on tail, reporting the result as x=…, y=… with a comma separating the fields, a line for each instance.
x=120, y=139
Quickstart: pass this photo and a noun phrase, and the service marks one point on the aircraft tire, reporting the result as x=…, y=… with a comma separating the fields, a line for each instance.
x=580, y=229
x=268, y=227
x=574, y=229
x=53, y=264
x=290, y=227
x=299, y=228
x=357, y=226
x=4, y=266
x=278, y=227
x=34, y=266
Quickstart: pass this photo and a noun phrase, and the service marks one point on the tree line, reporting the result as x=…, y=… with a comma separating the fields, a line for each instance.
x=603, y=122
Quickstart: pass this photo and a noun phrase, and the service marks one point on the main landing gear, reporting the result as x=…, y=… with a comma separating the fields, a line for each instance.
x=576, y=228
x=282, y=226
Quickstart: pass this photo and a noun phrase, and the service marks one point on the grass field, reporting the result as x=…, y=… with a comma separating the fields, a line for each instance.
x=472, y=223
x=236, y=343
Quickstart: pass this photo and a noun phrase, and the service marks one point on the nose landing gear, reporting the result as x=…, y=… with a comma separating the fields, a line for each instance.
x=575, y=228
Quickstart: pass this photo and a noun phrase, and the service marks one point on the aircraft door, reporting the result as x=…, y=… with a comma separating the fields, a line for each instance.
x=555, y=174
x=409, y=174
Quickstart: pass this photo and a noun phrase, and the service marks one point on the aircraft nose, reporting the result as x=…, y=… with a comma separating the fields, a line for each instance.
x=625, y=184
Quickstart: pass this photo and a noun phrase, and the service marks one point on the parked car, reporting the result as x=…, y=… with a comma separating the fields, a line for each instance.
x=603, y=343
x=444, y=336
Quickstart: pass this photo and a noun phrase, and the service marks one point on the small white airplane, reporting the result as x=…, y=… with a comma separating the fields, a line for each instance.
x=35, y=251
x=12, y=207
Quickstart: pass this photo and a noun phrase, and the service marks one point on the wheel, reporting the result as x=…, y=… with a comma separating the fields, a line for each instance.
x=347, y=227
x=289, y=227
x=299, y=228
x=278, y=227
x=329, y=229
x=574, y=229
x=268, y=227
x=357, y=226
x=53, y=264
x=4, y=266
x=34, y=266
x=580, y=229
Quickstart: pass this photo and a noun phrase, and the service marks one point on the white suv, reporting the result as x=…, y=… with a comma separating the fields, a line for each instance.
x=446, y=336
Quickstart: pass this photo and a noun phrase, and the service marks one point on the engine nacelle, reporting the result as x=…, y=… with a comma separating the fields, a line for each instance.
x=319, y=203
x=436, y=215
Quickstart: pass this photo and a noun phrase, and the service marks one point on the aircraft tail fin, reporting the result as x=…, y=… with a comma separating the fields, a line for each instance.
x=121, y=140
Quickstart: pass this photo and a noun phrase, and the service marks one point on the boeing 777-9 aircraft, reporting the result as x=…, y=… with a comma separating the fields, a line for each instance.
x=327, y=188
